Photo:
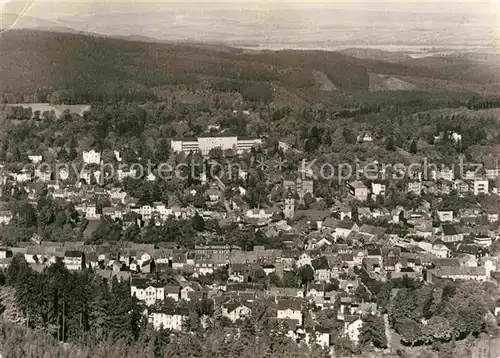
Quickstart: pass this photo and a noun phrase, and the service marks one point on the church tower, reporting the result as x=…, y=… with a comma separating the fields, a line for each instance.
x=289, y=210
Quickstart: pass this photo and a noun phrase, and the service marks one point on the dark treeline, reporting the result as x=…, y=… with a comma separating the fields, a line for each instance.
x=99, y=318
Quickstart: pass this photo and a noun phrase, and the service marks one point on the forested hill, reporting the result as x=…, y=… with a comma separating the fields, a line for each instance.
x=94, y=67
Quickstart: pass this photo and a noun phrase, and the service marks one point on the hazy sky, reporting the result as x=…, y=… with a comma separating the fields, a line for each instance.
x=53, y=9
x=419, y=22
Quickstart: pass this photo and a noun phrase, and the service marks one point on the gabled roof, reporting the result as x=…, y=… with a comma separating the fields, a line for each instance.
x=285, y=304
x=172, y=289
x=373, y=230
x=314, y=215
x=450, y=230
x=139, y=282
x=320, y=263
x=344, y=224
x=73, y=253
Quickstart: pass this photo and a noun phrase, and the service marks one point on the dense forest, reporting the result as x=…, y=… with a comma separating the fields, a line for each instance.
x=100, y=319
x=87, y=69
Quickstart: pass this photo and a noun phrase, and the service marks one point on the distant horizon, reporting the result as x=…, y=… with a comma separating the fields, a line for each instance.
x=272, y=25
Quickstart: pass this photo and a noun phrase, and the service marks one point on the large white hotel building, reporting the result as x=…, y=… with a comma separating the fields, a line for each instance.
x=205, y=144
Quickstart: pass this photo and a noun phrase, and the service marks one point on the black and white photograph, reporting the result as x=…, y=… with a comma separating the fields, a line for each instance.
x=249, y=179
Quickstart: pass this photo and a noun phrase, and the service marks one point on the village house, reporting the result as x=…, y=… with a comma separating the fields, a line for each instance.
x=446, y=174
x=172, y=292
x=345, y=212
x=343, y=228
x=124, y=172
x=321, y=268
x=358, y=190
x=352, y=327
x=458, y=273
x=5, y=217
x=315, y=218
x=298, y=186
x=260, y=214
x=204, y=267
x=91, y=157
x=285, y=292
x=451, y=233
x=173, y=320
x=304, y=260
x=43, y=174
x=445, y=215
x=35, y=158
x=461, y=186
x=74, y=260
x=149, y=293
x=289, y=309
x=378, y=189
x=236, y=311
x=480, y=186
x=433, y=245
x=365, y=137
x=483, y=240
x=414, y=187
x=364, y=213
x=491, y=169
x=22, y=176
x=492, y=215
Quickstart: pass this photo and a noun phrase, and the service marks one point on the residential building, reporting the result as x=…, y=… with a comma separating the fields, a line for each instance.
x=378, y=189
x=235, y=311
x=451, y=233
x=414, y=187
x=445, y=215
x=299, y=186
x=173, y=320
x=74, y=260
x=446, y=174
x=289, y=309
x=458, y=273
x=149, y=293
x=205, y=144
x=35, y=158
x=5, y=216
x=91, y=157
x=480, y=186
x=358, y=190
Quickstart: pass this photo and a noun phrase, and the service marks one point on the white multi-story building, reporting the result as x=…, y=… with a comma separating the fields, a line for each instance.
x=85, y=175
x=289, y=309
x=22, y=177
x=91, y=157
x=171, y=321
x=90, y=211
x=124, y=173
x=358, y=190
x=414, y=187
x=148, y=293
x=5, y=216
x=235, y=311
x=73, y=260
x=161, y=209
x=118, y=195
x=353, y=329
x=304, y=260
x=35, y=158
x=205, y=144
x=445, y=215
x=446, y=174
x=480, y=186
x=378, y=189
